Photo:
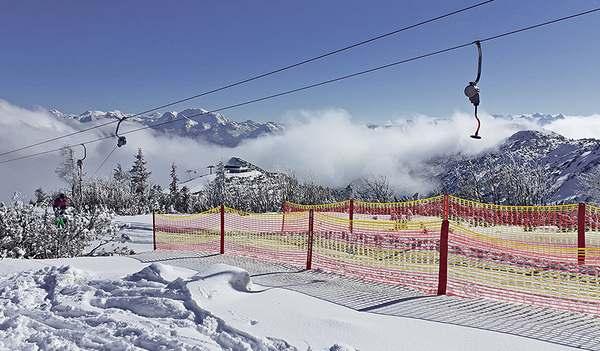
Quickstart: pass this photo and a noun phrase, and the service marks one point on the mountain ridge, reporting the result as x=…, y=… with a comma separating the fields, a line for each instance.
x=193, y=123
x=562, y=158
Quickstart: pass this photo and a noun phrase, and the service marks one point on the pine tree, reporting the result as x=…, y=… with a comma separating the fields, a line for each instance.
x=184, y=200
x=119, y=174
x=139, y=174
x=40, y=197
x=139, y=182
x=173, y=187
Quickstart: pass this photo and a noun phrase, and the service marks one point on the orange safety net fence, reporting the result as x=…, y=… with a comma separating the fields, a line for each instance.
x=539, y=255
x=383, y=251
x=260, y=236
x=542, y=232
x=420, y=210
x=481, y=266
x=430, y=209
x=592, y=235
x=197, y=232
x=245, y=234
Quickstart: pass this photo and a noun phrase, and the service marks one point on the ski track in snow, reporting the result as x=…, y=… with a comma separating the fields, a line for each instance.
x=555, y=326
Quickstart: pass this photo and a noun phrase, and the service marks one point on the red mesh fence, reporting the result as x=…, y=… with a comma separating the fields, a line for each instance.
x=384, y=251
x=540, y=255
x=260, y=236
x=487, y=267
x=198, y=232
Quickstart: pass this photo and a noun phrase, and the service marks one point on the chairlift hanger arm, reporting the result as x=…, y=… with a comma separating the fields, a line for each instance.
x=84, y=152
x=80, y=161
x=122, y=140
x=472, y=90
x=478, y=43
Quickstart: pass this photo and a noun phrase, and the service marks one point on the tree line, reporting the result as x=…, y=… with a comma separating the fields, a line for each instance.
x=489, y=178
x=30, y=230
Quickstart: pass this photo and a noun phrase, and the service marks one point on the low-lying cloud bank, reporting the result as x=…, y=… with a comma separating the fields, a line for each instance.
x=325, y=145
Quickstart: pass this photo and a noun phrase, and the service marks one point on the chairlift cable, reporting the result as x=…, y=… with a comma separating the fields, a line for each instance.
x=478, y=43
x=325, y=82
x=103, y=162
x=261, y=75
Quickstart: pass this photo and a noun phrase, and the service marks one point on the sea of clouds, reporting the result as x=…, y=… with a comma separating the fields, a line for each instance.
x=326, y=146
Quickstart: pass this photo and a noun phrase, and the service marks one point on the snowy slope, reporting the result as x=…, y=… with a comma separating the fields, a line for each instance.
x=563, y=158
x=119, y=303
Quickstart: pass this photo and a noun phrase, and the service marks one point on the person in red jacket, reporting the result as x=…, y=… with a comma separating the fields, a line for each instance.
x=60, y=203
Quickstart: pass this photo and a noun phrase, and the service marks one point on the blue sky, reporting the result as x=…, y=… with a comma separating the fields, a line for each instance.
x=136, y=55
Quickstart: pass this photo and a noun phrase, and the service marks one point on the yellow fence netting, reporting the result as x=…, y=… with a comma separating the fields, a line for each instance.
x=540, y=255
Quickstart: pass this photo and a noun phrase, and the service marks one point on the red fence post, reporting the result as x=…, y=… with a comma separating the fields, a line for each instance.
x=445, y=207
x=581, y=233
x=443, y=269
x=154, y=229
x=351, y=216
x=283, y=216
x=310, y=239
x=222, y=229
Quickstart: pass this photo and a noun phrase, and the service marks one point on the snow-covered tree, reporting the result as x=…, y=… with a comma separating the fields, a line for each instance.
x=174, y=185
x=184, y=200
x=589, y=185
x=470, y=181
x=26, y=232
x=508, y=180
x=378, y=187
x=119, y=174
x=140, y=177
x=67, y=170
x=41, y=198
x=108, y=193
x=158, y=201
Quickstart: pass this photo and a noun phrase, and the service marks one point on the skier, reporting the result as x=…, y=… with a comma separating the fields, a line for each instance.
x=60, y=205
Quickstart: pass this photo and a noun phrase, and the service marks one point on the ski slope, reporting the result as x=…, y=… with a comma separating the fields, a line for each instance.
x=192, y=301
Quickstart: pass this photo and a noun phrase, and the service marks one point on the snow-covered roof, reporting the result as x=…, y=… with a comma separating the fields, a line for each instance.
x=236, y=163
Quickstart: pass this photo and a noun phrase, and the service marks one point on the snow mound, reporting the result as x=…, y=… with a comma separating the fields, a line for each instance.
x=156, y=272
x=223, y=279
x=69, y=308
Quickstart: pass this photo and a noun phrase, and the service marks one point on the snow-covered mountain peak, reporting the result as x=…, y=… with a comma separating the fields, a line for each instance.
x=193, y=123
x=531, y=144
x=90, y=116
x=541, y=119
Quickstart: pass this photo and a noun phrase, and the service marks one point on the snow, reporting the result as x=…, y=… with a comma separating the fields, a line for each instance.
x=199, y=183
x=120, y=303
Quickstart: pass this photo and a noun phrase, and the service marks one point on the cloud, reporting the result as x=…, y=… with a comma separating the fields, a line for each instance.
x=337, y=151
x=325, y=145
x=577, y=127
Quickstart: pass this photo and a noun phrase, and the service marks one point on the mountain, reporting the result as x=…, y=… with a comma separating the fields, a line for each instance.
x=198, y=124
x=541, y=119
x=561, y=159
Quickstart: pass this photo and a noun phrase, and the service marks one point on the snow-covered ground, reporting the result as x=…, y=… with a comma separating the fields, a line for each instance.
x=120, y=303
